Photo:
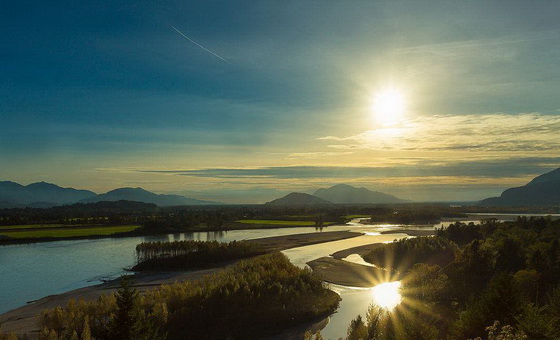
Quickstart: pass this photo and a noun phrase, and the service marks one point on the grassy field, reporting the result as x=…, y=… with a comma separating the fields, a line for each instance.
x=357, y=216
x=70, y=232
x=280, y=222
x=41, y=226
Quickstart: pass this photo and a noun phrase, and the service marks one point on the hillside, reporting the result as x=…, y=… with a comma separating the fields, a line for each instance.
x=141, y=195
x=346, y=194
x=298, y=198
x=542, y=190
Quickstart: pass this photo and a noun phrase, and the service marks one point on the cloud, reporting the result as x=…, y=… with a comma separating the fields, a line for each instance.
x=480, y=168
x=501, y=133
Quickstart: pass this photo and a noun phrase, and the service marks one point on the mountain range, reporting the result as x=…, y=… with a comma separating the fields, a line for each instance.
x=339, y=194
x=44, y=195
x=542, y=190
x=299, y=198
x=40, y=194
x=346, y=194
x=141, y=195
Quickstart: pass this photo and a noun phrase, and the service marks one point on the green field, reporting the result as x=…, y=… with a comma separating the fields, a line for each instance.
x=70, y=232
x=281, y=222
x=357, y=216
x=41, y=226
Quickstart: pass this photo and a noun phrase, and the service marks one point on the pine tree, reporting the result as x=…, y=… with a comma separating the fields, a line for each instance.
x=127, y=324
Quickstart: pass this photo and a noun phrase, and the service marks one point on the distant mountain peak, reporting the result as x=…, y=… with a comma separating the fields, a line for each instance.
x=40, y=193
x=43, y=194
x=299, y=198
x=542, y=190
x=552, y=176
x=43, y=185
x=142, y=195
x=347, y=194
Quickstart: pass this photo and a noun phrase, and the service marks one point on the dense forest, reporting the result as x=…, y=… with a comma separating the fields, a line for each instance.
x=501, y=282
x=254, y=298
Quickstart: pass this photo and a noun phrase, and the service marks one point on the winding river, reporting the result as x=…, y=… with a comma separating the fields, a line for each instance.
x=32, y=271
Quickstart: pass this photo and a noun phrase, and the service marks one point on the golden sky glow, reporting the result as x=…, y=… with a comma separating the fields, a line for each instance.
x=389, y=106
x=460, y=109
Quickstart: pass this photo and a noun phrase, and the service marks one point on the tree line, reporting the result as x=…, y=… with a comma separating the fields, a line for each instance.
x=501, y=282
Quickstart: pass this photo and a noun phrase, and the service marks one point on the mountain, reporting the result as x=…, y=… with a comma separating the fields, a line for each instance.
x=40, y=194
x=141, y=195
x=346, y=194
x=542, y=190
x=298, y=198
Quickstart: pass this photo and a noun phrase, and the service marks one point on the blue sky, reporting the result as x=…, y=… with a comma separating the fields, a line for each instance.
x=104, y=94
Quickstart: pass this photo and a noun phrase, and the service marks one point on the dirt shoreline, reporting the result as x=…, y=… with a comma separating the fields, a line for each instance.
x=349, y=274
x=8, y=241
x=411, y=232
x=24, y=319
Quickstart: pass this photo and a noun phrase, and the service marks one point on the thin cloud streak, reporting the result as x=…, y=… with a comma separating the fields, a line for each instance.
x=510, y=167
x=199, y=45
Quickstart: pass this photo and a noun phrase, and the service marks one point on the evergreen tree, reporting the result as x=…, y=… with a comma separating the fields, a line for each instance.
x=127, y=324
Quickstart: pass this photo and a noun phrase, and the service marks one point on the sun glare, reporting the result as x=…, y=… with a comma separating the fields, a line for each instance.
x=387, y=295
x=389, y=106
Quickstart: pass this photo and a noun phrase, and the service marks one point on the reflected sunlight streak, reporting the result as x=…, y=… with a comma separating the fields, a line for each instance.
x=387, y=295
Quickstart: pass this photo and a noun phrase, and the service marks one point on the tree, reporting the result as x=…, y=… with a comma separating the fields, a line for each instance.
x=130, y=322
x=127, y=322
x=357, y=329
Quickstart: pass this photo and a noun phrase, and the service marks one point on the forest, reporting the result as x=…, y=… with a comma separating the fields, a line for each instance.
x=502, y=281
x=254, y=298
x=189, y=254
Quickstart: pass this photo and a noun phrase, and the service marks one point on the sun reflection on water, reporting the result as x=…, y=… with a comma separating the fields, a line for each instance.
x=387, y=295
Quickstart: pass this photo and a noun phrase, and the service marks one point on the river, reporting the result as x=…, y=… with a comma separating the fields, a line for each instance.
x=32, y=271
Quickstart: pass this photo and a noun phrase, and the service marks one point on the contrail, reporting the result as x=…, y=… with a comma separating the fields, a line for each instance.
x=199, y=45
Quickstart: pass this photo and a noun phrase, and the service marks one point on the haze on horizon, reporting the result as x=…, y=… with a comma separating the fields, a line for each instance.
x=108, y=94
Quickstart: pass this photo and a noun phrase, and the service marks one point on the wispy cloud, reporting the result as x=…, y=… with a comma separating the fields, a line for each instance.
x=510, y=167
x=501, y=133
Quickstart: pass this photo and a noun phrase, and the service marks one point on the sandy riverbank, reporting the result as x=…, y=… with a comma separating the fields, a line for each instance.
x=347, y=273
x=411, y=232
x=24, y=319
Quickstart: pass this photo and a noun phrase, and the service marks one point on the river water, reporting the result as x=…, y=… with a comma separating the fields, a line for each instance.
x=31, y=271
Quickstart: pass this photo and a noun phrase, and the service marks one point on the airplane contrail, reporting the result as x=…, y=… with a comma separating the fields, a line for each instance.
x=199, y=45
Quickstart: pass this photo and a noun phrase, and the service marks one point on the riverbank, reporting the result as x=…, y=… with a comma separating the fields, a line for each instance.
x=348, y=274
x=411, y=232
x=5, y=240
x=23, y=320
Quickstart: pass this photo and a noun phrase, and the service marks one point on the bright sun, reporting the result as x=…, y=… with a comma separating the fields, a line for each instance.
x=387, y=295
x=389, y=106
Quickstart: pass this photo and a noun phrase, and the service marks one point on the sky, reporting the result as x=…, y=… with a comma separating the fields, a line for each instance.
x=243, y=101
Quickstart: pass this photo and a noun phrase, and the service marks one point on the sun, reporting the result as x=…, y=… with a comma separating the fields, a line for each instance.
x=387, y=295
x=389, y=106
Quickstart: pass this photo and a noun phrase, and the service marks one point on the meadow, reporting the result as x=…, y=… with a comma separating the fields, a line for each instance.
x=70, y=231
x=282, y=223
